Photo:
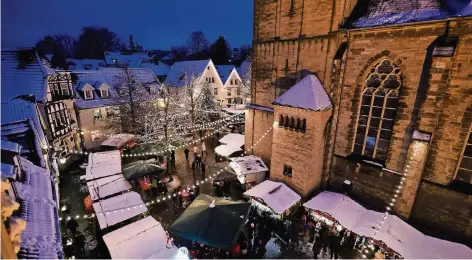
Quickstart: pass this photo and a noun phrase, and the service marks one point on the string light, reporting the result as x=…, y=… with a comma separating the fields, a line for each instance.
x=193, y=186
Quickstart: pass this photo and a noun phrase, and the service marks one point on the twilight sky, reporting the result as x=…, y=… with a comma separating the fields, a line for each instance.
x=155, y=24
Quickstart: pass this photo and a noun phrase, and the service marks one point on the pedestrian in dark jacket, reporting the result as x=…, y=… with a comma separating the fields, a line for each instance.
x=172, y=158
x=186, y=151
x=202, y=167
x=72, y=225
x=317, y=248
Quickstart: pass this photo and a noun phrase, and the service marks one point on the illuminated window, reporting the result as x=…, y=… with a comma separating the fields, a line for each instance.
x=213, y=79
x=377, y=110
x=65, y=89
x=215, y=91
x=231, y=82
x=464, y=170
x=88, y=94
x=104, y=93
x=229, y=92
x=95, y=135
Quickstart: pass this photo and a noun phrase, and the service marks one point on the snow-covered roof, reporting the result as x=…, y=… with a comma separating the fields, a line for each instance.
x=243, y=68
x=276, y=195
x=396, y=233
x=143, y=76
x=131, y=60
x=9, y=170
x=159, y=69
x=10, y=146
x=182, y=69
x=143, y=239
x=231, y=139
x=227, y=150
x=370, y=13
x=232, y=110
x=29, y=79
x=41, y=239
x=107, y=186
x=248, y=165
x=85, y=64
x=119, y=208
x=118, y=140
x=103, y=164
x=308, y=93
x=224, y=71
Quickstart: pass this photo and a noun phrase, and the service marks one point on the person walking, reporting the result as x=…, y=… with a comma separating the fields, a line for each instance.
x=195, y=151
x=72, y=225
x=172, y=158
x=204, y=149
x=202, y=166
x=186, y=151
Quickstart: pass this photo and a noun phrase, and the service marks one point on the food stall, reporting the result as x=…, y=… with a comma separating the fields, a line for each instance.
x=250, y=170
x=120, y=141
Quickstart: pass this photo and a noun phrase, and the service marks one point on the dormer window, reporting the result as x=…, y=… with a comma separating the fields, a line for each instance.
x=104, y=93
x=152, y=90
x=88, y=94
x=208, y=68
x=231, y=82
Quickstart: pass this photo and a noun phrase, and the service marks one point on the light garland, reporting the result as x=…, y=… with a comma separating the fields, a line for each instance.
x=170, y=196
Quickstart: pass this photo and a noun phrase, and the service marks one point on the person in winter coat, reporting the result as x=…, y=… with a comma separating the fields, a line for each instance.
x=172, y=158
x=72, y=225
x=317, y=246
x=186, y=151
x=195, y=151
x=202, y=167
x=204, y=149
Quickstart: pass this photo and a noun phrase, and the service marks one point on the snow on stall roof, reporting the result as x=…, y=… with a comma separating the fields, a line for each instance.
x=236, y=140
x=132, y=60
x=143, y=239
x=396, y=233
x=276, y=195
x=182, y=69
x=38, y=208
x=159, y=69
x=107, y=186
x=370, y=13
x=248, y=165
x=224, y=71
x=118, y=140
x=308, y=93
x=16, y=81
x=103, y=164
x=227, y=150
x=10, y=146
x=119, y=208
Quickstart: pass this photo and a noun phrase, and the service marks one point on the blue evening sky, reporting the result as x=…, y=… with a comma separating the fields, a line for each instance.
x=155, y=24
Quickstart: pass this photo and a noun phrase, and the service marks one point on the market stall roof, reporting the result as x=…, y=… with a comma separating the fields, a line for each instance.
x=212, y=221
x=248, y=165
x=119, y=208
x=142, y=168
x=394, y=232
x=118, y=140
x=227, y=150
x=276, y=195
x=236, y=140
x=143, y=239
x=231, y=110
x=226, y=174
x=107, y=186
x=103, y=164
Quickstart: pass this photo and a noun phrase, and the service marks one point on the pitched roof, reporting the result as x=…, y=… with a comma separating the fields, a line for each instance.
x=308, y=93
x=90, y=77
x=30, y=79
x=224, y=71
x=41, y=239
x=182, y=69
x=132, y=60
x=10, y=146
x=159, y=69
x=368, y=13
x=85, y=64
x=243, y=68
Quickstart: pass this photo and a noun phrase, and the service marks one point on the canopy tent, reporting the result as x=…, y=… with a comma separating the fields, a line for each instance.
x=118, y=140
x=394, y=232
x=107, y=186
x=212, y=221
x=276, y=195
x=118, y=208
x=227, y=150
x=249, y=168
x=103, y=164
x=142, y=168
x=143, y=239
x=226, y=174
x=235, y=140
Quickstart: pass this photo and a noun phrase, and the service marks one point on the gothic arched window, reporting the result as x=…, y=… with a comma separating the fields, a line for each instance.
x=292, y=122
x=281, y=121
x=377, y=110
x=287, y=121
x=299, y=124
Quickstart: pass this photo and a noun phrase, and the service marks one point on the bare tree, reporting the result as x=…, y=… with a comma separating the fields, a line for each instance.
x=197, y=42
x=246, y=79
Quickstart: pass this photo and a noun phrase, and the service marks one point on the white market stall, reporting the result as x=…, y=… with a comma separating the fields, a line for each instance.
x=107, y=186
x=233, y=140
x=227, y=150
x=249, y=169
x=394, y=232
x=103, y=164
x=143, y=239
x=119, y=140
x=119, y=208
x=275, y=195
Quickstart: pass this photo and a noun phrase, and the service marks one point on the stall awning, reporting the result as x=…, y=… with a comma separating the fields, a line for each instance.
x=119, y=208
x=394, y=232
x=227, y=150
x=248, y=165
x=107, y=186
x=236, y=140
x=103, y=164
x=143, y=239
x=118, y=140
x=276, y=195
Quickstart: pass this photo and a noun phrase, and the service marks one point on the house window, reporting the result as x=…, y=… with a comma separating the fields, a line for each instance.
x=464, y=170
x=104, y=93
x=65, y=89
x=238, y=91
x=208, y=68
x=213, y=79
x=377, y=111
x=236, y=81
x=88, y=94
x=96, y=114
x=231, y=82
x=215, y=91
x=287, y=171
x=206, y=80
x=229, y=92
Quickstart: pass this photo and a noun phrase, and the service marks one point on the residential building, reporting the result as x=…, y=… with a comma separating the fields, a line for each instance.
x=137, y=60
x=397, y=74
x=231, y=95
x=26, y=75
x=85, y=64
x=98, y=96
